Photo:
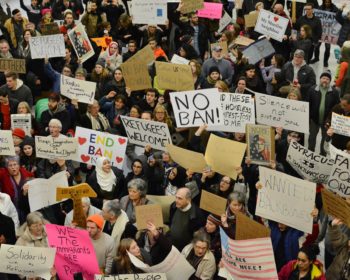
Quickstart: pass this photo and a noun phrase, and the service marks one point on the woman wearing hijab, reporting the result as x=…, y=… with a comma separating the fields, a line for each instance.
x=107, y=182
x=112, y=57
x=176, y=178
x=28, y=159
x=137, y=171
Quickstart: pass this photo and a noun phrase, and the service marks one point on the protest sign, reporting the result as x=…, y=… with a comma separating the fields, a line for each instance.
x=250, y=19
x=191, y=5
x=223, y=45
x=93, y=144
x=145, y=132
x=197, y=107
x=330, y=26
x=13, y=65
x=341, y=124
x=81, y=90
x=286, y=199
x=258, y=50
x=42, y=192
x=50, y=29
x=271, y=25
x=261, y=144
x=248, y=259
x=47, y=46
x=143, y=56
x=175, y=266
x=238, y=110
x=238, y=4
x=334, y=152
x=243, y=41
x=210, y=10
x=74, y=252
x=81, y=43
x=136, y=75
x=247, y=228
x=176, y=59
x=282, y=112
x=213, y=203
x=56, y=147
x=339, y=179
x=149, y=12
x=27, y=261
x=174, y=76
x=308, y=164
x=164, y=201
x=224, y=21
x=336, y=206
x=148, y=213
x=7, y=148
x=102, y=42
x=23, y=121
x=150, y=276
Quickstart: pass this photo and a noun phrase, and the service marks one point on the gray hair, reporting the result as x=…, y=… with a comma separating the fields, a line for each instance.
x=86, y=200
x=55, y=122
x=236, y=196
x=139, y=185
x=34, y=218
x=113, y=206
x=202, y=236
x=13, y=158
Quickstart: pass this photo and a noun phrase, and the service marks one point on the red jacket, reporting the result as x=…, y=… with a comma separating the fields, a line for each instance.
x=316, y=271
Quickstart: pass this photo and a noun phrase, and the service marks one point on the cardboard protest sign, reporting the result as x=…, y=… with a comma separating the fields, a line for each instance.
x=74, y=252
x=136, y=75
x=238, y=110
x=339, y=179
x=247, y=228
x=197, y=107
x=93, y=144
x=250, y=19
x=336, y=206
x=282, y=112
x=144, y=132
x=213, y=203
x=164, y=201
x=143, y=56
x=149, y=12
x=47, y=46
x=271, y=25
x=148, y=213
x=308, y=164
x=83, y=91
x=210, y=10
x=7, y=148
x=286, y=199
x=102, y=42
x=330, y=26
x=81, y=43
x=154, y=276
x=191, y=5
x=13, y=65
x=176, y=59
x=175, y=266
x=56, y=147
x=258, y=50
x=248, y=259
x=23, y=121
x=174, y=76
x=261, y=144
x=50, y=29
x=243, y=41
x=42, y=192
x=341, y=124
x=224, y=21
x=222, y=44
x=27, y=261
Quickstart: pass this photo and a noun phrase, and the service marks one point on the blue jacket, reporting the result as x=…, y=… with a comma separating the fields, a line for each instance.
x=54, y=76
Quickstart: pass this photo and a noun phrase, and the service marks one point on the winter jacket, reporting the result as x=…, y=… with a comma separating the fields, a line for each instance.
x=61, y=114
x=316, y=271
x=13, y=110
x=54, y=76
x=345, y=28
x=21, y=93
x=9, y=25
x=314, y=23
x=27, y=239
x=7, y=208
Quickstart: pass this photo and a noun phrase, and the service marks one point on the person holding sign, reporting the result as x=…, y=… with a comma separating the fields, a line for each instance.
x=111, y=56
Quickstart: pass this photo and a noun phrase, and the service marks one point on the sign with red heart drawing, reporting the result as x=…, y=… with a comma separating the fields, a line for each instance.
x=93, y=144
x=271, y=25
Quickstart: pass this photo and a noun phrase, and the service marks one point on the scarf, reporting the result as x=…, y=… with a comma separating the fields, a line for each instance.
x=106, y=181
x=97, y=122
x=109, y=55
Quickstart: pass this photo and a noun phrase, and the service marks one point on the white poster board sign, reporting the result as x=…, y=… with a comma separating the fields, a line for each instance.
x=258, y=50
x=149, y=12
x=330, y=26
x=341, y=124
x=224, y=21
x=7, y=148
x=286, y=199
x=271, y=25
x=47, y=46
x=150, y=276
x=197, y=107
x=282, y=112
x=23, y=121
x=83, y=91
x=56, y=147
x=176, y=59
x=339, y=180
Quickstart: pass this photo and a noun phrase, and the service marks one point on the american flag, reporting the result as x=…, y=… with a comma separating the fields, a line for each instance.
x=250, y=259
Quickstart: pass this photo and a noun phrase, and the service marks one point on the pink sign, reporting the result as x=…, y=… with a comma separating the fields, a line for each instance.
x=74, y=252
x=211, y=10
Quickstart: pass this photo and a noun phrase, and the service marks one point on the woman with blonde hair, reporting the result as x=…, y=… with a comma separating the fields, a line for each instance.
x=160, y=114
x=196, y=69
x=222, y=86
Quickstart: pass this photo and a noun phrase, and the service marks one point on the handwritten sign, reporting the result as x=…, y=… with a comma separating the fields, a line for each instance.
x=75, y=252
x=28, y=261
x=164, y=201
x=197, y=107
x=174, y=76
x=308, y=164
x=339, y=179
x=13, y=65
x=213, y=203
x=224, y=21
x=330, y=26
x=243, y=41
x=148, y=213
x=286, y=199
x=81, y=43
x=238, y=110
x=210, y=10
x=282, y=112
x=191, y=5
x=47, y=46
x=153, y=276
x=258, y=50
x=93, y=144
x=247, y=228
x=247, y=259
x=50, y=28
x=56, y=147
x=7, y=148
x=144, y=132
x=42, y=192
x=23, y=121
x=83, y=91
x=149, y=12
x=271, y=25
x=341, y=124
x=176, y=59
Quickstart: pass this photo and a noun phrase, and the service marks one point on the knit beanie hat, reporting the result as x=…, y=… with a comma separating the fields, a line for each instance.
x=214, y=69
x=214, y=219
x=327, y=74
x=19, y=132
x=97, y=219
x=28, y=141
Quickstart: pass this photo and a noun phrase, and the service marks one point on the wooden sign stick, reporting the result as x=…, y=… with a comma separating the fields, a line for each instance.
x=76, y=193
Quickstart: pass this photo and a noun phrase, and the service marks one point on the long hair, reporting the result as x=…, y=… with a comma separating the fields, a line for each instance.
x=122, y=258
x=167, y=120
